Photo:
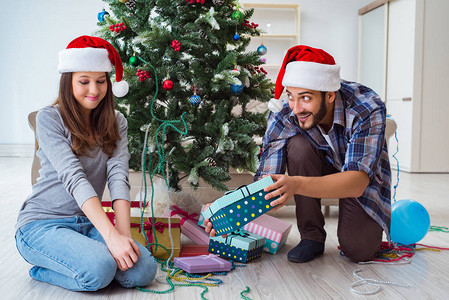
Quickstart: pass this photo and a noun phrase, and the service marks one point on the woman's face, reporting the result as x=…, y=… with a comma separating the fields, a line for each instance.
x=89, y=88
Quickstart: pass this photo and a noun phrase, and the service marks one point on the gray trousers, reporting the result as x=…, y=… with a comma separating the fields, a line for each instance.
x=359, y=235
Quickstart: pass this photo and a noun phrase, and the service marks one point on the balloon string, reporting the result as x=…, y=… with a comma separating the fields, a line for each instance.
x=397, y=165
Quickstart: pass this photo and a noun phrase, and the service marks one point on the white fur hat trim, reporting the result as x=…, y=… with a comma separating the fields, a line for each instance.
x=312, y=76
x=84, y=60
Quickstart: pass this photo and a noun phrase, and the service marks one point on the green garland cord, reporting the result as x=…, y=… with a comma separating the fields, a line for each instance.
x=187, y=281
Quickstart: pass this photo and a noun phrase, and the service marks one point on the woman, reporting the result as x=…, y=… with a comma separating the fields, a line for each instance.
x=62, y=229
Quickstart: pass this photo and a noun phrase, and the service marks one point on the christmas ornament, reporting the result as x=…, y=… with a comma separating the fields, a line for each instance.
x=218, y=2
x=134, y=61
x=143, y=75
x=236, y=89
x=195, y=100
x=237, y=16
x=119, y=27
x=262, y=50
x=236, y=37
x=131, y=4
x=197, y=1
x=176, y=45
x=167, y=84
x=211, y=162
x=101, y=15
x=124, y=1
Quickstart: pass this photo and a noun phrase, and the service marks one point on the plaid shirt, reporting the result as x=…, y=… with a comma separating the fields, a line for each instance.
x=358, y=136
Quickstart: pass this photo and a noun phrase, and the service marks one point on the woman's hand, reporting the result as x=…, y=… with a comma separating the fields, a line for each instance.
x=284, y=186
x=123, y=249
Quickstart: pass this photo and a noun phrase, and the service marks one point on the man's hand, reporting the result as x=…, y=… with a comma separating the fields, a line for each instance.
x=124, y=250
x=284, y=186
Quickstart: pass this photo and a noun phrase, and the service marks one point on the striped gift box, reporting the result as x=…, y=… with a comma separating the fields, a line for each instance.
x=274, y=230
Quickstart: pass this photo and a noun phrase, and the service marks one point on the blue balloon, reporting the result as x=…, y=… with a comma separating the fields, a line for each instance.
x=410, y=222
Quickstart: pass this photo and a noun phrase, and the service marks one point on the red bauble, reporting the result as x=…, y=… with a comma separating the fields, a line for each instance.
x=167, y=84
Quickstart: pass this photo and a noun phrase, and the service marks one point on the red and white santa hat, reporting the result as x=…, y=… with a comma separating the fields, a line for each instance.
x=308, y=68
x=93, y=54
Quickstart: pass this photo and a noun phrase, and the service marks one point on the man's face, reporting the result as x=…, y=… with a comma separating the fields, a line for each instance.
x=310, y=107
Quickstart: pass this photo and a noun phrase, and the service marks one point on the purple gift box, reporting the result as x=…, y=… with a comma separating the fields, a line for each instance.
x=202, y=264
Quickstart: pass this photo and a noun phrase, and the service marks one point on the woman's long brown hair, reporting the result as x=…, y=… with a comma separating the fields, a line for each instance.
x=103, y=124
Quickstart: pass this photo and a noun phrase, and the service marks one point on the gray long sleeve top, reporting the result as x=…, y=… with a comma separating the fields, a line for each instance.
x=66, y=181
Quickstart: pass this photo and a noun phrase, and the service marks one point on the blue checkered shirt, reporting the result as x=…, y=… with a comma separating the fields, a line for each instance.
x=358, y=136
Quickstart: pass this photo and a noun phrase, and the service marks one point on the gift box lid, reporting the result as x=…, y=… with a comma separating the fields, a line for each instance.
x=202, y=264
x=234, y=196
x=241, y=239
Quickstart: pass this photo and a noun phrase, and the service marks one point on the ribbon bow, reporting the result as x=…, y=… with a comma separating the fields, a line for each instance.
x=186, y=216
x=159, y=226
x=240, y=233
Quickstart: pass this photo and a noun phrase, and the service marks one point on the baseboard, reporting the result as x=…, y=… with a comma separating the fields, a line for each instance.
x=16, y=150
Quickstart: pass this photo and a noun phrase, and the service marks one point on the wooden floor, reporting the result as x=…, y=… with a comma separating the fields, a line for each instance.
x=270, y=277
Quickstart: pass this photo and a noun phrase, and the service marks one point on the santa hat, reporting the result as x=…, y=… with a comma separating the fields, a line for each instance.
x=93, y=54
x=308, y=68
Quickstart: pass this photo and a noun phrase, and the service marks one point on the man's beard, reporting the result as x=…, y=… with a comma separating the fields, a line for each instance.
x=318, y=117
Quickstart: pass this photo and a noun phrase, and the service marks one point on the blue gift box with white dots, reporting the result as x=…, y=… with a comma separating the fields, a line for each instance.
x=239, y=207
x=241, y=245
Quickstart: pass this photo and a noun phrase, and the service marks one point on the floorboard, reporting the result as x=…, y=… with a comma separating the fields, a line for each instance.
x=270, y=277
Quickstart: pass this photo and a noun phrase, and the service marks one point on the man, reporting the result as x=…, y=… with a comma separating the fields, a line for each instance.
x=329, y=134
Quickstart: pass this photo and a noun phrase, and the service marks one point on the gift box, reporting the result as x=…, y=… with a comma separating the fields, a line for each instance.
x=201, y=218
x=161, y=234
x=107, y=207
x=189, y=226
x=202, y=264
x=239, y=207
x=241, y=245
x=194, y=250
x=274, y=230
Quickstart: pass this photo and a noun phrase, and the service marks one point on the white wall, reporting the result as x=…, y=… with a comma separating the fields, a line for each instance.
x=35, y=31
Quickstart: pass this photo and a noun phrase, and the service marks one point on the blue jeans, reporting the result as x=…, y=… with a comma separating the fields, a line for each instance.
x=72, y=254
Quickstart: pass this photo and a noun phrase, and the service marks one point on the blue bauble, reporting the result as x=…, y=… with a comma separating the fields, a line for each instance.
x=410, y=222
x=195, y=100
x=236, y=89
x=236, y=37
x=262, y=50
x=101, y=15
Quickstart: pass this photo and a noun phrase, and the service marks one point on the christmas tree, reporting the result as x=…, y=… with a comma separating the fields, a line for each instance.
x=201, y=71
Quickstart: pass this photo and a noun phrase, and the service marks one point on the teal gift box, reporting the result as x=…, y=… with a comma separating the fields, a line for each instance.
x=241, y=246
x=239, y=207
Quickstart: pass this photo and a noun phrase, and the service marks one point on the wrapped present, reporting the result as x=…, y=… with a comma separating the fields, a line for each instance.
x=107, y=207
x=193, y=250
x=202, y=264
x=189, y=226
x=274, y=230
x=161, y=234
x=201, y=218
x=110, y=214
x=241, y=245
x=239, y=207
